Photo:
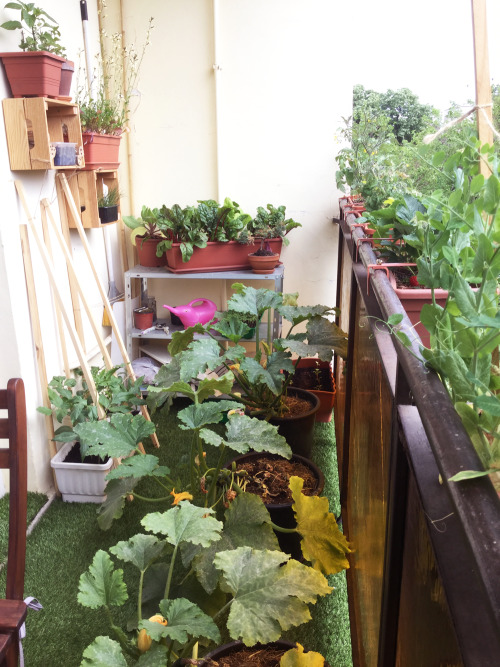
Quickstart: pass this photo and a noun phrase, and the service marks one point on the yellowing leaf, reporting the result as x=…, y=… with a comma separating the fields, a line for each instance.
x=322, y=542
x=296, y=657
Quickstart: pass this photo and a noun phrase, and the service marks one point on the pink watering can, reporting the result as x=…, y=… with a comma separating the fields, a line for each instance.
x=191, y=314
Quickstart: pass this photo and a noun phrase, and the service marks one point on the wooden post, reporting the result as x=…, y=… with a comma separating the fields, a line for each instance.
x=60, y=328
x=69, y=325
x=482, y=77
x=72, y=272
x=78, y=224
x=77, y=313
x=37, y=336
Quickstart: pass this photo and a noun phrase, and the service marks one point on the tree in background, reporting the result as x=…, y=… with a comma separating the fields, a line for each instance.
x=386, y=155
x=407, y=116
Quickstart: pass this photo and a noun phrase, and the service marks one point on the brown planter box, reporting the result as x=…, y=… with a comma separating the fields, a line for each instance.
x=217, y=256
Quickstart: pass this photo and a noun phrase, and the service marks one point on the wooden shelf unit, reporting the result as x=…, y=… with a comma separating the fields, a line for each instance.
x=86, y=188
x=32, y=124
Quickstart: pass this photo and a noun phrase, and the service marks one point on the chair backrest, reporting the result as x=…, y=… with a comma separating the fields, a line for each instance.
x=13, y=429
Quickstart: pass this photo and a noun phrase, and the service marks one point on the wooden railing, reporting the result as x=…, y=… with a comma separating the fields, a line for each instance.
x=424, y=582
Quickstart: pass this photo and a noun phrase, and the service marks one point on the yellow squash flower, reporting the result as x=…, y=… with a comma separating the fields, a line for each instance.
x=183, y=495
x=144, y=641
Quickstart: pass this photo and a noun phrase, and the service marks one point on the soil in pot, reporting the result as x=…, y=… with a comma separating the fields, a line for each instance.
x=268, y=477
x=297, y=427
x=236, y=654
x=74, y=456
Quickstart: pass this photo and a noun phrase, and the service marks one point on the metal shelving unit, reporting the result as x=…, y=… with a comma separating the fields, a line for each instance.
x=154, y=343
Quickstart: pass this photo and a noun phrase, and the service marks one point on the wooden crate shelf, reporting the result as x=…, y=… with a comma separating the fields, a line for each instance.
x=32, y=124
x=86, y=188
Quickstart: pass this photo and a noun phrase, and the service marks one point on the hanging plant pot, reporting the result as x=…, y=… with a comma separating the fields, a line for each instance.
x=276, y=494
x=236, y=654
x=146, y=252
x=263, y=263
x=33, y=73
x=108, y=214
x=101, y=151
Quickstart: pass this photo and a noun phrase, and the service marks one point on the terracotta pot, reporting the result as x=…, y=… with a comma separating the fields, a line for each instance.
x=412, y=299
x=326, y=395
x=299, y=430
x=263, y=263
x=33, y=73
x=217, y=256
x=282, y=513
x=101, y=151
x=146, y=252
x=143, y=318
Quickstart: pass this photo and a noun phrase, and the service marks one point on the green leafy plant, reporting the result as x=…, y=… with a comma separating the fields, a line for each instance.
x=460, y=237
x=265, y=377
x=270, y=223
x=151, y=225
x=72, y=402
x=248, y=585
x=111, y=198
x=105, y=107
x=39, y=31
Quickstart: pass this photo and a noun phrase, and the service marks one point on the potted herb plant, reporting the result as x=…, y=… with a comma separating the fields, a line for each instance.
x=105, y=108
x=37, y=70
x=149, y=236
x=107, y=206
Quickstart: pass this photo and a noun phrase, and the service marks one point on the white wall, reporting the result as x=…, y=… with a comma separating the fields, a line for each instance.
x=264, y=134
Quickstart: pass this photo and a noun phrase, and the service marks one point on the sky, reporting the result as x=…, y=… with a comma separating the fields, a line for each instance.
x=426, y=46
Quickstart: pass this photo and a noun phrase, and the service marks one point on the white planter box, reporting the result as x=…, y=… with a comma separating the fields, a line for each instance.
x=80, y=482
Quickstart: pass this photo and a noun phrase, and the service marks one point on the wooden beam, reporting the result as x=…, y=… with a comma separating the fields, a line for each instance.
x=77, y=312
x=114, y=325
x=72, y=272
x=60, y=327
x=69, y=325
x=37, y=337
x=482, y=77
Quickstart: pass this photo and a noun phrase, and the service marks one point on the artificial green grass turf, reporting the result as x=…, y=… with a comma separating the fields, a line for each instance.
x=35, y=502
x=63, y=545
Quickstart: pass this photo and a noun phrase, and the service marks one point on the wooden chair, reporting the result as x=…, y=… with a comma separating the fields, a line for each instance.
x=13, y=609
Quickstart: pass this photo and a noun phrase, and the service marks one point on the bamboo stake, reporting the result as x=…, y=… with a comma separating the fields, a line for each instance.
x=60, y=328
x=482, y=78
x=69, y=325
x=72, y=272
x=37, y=336
x=77, y=312
x=78, y=224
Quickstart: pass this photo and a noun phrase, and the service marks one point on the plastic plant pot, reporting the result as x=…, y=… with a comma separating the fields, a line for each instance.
x=143, y=318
